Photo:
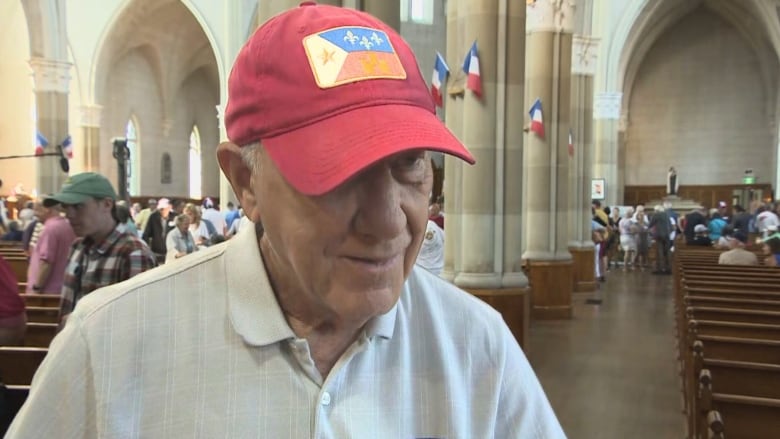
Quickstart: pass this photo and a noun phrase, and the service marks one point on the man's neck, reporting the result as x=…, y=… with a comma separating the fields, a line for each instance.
x=103, y=233
x=328, y=335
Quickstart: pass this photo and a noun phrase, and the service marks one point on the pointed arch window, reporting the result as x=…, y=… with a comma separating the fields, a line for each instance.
x=134, y=164
x=195, y=163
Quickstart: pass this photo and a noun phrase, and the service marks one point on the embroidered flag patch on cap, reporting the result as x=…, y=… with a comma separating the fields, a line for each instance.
x=350, y=54
x=328, y=92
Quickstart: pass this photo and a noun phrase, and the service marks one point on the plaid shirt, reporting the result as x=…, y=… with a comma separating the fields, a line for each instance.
x=119, y=257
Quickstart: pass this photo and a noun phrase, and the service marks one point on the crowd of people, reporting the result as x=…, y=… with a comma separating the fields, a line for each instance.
x=623, y=236
x=84, y=238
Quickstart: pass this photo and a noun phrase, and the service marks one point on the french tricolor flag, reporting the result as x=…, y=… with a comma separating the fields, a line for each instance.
x=67, y=146
x=440, y=72
x=537, y=124
x=471, y=68
x=40, y=143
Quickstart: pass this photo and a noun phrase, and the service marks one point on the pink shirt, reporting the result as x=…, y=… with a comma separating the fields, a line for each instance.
x=53, y=247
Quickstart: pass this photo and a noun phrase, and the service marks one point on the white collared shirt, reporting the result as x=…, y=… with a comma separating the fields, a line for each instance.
x=199, y=348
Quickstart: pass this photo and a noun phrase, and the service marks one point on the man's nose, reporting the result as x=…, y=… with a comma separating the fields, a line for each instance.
x=380, y=214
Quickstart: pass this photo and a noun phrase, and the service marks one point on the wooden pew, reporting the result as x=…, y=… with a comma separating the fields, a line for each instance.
x=19, y=267
x=740, y=349
x=40, y=334
x=47, y=300
x=18, y=364
x=43, y=314
x=744, y=417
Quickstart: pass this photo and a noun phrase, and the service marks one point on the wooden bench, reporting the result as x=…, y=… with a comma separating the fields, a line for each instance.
x=43, y=314
x=40, y=334
x=18, y=364
x=47, y=300
x=728, y=325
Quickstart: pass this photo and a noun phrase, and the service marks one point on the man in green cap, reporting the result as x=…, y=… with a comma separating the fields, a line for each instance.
x=105, y=253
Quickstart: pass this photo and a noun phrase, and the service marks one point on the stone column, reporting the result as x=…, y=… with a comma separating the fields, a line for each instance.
x=389, y=11
x=52, y=85
x=478, y=185
x=453, y=168
x=514, y=85
x=549, y=25
x=584, y=53
x=90, y=133
x=606, y=115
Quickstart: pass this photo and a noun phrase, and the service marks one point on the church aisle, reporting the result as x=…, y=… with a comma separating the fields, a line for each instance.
x=611, y=373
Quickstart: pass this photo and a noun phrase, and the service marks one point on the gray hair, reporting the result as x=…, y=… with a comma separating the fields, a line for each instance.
x=249, y=154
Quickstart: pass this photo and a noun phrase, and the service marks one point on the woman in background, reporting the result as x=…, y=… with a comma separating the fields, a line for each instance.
x=179, y=241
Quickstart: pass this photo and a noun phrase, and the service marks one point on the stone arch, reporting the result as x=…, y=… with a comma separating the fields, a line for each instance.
x=46, y=26
x=698, y=80
x=161, y=58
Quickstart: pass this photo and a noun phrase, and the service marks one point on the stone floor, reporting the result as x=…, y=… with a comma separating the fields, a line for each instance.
x=610, y=372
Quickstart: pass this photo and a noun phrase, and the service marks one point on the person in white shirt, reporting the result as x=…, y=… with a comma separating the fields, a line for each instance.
x=316, y=322
x=214, y=216
x=431, y=256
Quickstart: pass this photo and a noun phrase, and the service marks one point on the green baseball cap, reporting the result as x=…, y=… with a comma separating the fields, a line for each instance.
x=81, y=187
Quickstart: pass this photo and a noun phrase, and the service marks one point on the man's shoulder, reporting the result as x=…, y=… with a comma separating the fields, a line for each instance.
x=168, y=279
x=446, y=303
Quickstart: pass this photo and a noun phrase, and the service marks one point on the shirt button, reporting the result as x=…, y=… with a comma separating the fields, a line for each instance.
x=325, y=398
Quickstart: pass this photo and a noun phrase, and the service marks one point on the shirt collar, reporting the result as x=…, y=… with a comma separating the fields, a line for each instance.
x=254, y=311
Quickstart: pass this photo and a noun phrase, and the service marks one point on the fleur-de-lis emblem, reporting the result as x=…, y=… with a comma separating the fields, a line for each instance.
x=350, y=37
x=366, y=43
x=375, y=38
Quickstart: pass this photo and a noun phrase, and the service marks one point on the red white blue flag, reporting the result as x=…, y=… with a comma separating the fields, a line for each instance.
x=343, y=55
x=440, y=72
x=471, y=68
x=537, y=124
x=40, y=143
x=571, y=144
x=67, y=147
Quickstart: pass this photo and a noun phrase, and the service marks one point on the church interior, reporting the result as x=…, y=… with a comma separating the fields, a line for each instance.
x=636, y=105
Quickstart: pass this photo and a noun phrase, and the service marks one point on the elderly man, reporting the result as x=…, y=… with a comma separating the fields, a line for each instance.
x=106, y=253
x=320, y=326
x=49, y=257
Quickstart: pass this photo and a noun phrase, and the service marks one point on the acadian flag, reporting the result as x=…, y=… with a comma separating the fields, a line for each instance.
x=342, y=55
x=571, y=144
x=440, y=72
x=40, y=143
x=67, y=147
x=537, y=124
x=471, y=68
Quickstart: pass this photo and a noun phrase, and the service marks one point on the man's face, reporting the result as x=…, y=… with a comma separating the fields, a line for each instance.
x=86, y=218
x=346, y=254
x=40, y=211
x=184, y=223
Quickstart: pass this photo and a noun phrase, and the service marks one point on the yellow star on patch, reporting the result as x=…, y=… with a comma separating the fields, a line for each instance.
x=327, y=56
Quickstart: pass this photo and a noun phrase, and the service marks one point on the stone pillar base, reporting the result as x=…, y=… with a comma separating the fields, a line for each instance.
x=584, y=269
x=514, y=306
x=551, y=288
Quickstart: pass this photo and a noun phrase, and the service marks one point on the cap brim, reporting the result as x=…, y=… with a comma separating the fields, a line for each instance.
x=70, y=198
x=317, y=158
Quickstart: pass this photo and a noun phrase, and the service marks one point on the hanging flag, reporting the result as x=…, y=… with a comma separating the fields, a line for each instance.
x=571, y=144
x=67, y=147
x=440, y=72
x=40, y=143
x=471, y=68
x=537, y=124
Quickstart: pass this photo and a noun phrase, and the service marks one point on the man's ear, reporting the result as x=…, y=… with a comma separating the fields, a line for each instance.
x=239, y=175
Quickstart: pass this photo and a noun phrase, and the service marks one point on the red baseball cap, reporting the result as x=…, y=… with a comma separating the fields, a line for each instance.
x=329, y=91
